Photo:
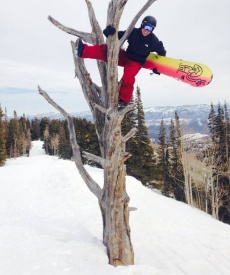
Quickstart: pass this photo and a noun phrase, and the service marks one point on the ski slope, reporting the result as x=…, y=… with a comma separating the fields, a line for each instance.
x=50, y=224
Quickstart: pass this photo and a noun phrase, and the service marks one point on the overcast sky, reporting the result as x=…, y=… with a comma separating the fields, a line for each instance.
x=34, y=52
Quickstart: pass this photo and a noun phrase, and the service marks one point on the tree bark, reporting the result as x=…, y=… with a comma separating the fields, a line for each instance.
x=113, y=198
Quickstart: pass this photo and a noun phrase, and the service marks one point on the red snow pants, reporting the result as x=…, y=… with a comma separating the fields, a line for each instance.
x=131, y=68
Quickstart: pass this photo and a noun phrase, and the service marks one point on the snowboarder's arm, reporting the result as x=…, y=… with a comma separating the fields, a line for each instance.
x=157, y=46
x=109, y=30
x=120, y=34
x=160, y=49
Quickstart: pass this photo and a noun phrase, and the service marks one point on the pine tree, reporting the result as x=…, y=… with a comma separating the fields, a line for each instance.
x=2, y=139
x=146, y=162
x=220, y=153
x=6, y=122
x=212, y=129
x=132, y=145
x=176, y=168
x=218, y=159
x=87, y=137
x=211, y=121
x=173, y=146
x=92, y=141
x=227, y=134
x=163, y=160
x=46, y=138
x=12, y=143
x=25, y=136
x=178, y=130
x=128, y=123
x=64, y=147
x=174, y=176
x=35, y=129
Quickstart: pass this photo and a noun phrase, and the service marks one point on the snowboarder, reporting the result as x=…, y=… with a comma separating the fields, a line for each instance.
x=141, y=42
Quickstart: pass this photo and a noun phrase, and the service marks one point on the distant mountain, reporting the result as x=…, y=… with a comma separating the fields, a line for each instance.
x=193, y=118
x=54, y=115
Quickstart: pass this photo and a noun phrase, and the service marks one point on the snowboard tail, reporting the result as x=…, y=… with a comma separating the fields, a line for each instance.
x=195, y=74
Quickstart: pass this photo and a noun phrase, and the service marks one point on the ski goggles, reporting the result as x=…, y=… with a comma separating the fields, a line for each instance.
x=148, y=27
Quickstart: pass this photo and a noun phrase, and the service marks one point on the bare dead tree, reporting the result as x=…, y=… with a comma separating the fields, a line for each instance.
x=113, y=198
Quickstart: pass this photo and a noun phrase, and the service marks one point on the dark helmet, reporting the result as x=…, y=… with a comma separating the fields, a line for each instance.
x=149, y=20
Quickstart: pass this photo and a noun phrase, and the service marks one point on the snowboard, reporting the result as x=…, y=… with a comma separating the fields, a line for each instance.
x=195, y=74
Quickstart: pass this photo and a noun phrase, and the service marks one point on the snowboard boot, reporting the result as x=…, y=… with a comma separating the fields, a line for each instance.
x=79, y=47
x=121, y=104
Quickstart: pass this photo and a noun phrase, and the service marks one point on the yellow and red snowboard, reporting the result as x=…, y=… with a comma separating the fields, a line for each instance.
x=195, y=74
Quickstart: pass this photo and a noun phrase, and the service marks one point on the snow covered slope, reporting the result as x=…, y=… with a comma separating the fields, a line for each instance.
x=50, y=224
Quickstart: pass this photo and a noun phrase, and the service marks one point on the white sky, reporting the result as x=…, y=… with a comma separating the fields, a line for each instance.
x=33, y=51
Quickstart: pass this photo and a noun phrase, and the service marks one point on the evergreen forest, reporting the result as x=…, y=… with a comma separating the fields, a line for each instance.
x=198, y=176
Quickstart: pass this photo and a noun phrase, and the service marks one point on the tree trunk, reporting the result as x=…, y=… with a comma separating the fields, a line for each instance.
x=115, y=214
x=113, y=199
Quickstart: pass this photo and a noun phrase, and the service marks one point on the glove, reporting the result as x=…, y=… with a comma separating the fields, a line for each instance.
x=109, y=30
x=155, y=71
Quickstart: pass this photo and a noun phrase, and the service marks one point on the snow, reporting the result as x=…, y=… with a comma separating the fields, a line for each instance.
x=50, y=224
x=195, y=136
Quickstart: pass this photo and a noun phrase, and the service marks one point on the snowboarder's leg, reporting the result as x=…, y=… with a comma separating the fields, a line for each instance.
x=128, y=79
x=91, y=51
x=95, y=52
x=122, y=58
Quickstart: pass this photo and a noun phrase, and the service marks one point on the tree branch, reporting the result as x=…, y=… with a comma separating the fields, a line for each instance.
x=103, y=162
x=97, y=34
x=91, y=92
x=54, y=104
x=92, y=185
x=127, y=109
x=115, y=11
x=98, y=38
x=130, y=134
x=87, y=37
x=101, y=109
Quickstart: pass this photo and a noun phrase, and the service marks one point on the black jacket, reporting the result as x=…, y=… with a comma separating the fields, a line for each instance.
x=140, y=46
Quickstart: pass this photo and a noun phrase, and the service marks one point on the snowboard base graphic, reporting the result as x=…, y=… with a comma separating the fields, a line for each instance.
x=195, y=74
